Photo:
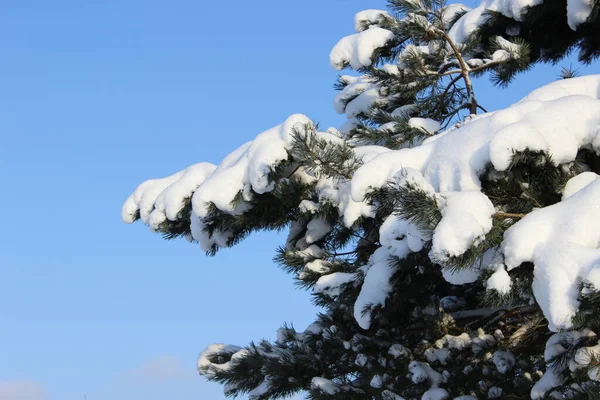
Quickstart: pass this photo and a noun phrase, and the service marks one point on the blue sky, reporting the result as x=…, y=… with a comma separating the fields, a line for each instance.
x=101, y=95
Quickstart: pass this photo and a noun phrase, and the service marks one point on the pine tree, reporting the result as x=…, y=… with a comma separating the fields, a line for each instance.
x=461, y=265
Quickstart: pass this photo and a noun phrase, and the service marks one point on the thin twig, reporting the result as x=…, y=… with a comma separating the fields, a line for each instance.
x=482, y=109
x=502, y=215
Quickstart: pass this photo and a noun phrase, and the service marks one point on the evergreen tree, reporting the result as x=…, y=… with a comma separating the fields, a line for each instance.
x=463, y=265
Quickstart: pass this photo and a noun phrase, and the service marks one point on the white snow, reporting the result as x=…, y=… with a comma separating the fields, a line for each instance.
x=442, y=355
x=435, y=394
x=397, y=350
x=452, y=160
x=427, y=125
x=363, y=102
x=450, y=11
x=549, y=380
x=495, y=392
x=316, y=230
x=466, y=219
x=361, y=360
x=577, y=183
x=461, y=276
x=355, y=86
x=159, y=199
x=369, y=17
x=208, y=368
x=338, y=194
x=583, y=358
x=331, y=284
x=504, y=361
x=375, y=288
x=421, y=372
x=507, y=46
x=588, y=86
x=316, y=266
x=410, y=176
x=562, y=242
x=552, y=378
x=357, y=50
x=324, y=385
x=376, y=382
x=347, y=126
x=404, y=111
x=312, y=251
x=205, y=240
x=473, y=19
x=450, y=163
x=500, y=55
x=245, y=169
x=400, y=237
x=578, y=12
x=315, y=328
x=499, y=281
x=309, y=207
x=248, y=165
x=459, y=342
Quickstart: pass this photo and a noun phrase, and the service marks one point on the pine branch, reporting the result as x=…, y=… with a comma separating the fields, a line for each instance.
x=464, y=71
x=502, y=215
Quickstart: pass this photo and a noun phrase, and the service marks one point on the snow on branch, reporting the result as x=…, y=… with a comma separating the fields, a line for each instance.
x=357, y=50
x=561, y=240
x=577, y=12
x=449, y=165
x=453, y=160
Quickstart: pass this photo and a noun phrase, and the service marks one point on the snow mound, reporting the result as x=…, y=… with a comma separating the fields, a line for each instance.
x=562, y=242
x=366, y=18
x=499, y=281
x=577, y=183
x=331, y=284
x=247, y=167
x=427, y=125
x=357, y=50
x=399, y=237
x=466, y=219
x=157, y=200
x=578, y=12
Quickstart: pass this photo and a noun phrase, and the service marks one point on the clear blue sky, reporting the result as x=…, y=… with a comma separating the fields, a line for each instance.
x=98, y=96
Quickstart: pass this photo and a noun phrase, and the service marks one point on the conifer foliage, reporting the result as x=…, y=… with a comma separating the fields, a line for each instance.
x=453, y=251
